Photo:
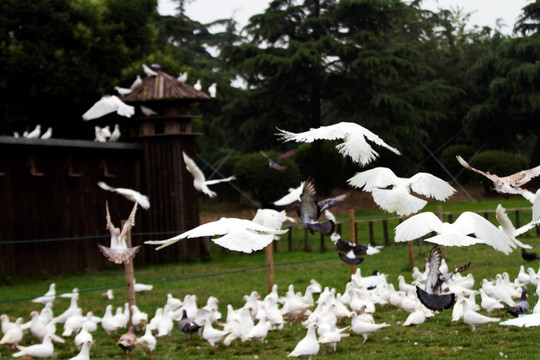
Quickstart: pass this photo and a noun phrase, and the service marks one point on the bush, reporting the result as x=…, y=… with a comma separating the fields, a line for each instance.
x=267, y=185
x=496, y=162
x=448, y=159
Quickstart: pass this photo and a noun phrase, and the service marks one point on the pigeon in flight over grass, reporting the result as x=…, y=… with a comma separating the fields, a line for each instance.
x=350, y=250
x=431, y=297
x=275, y=164
x=292, y=196
x=129, y=194
x=119, y=252
x=236, y=234
x=354, y=139
x=506, y=184
x=508, y=228
x=199, y=181
x=399, y=199
x=106, y=105
x=455, y=234
x=309, y=210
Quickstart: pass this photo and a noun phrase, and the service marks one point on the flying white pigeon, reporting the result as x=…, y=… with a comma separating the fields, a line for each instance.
x=455, y=234
x=237, y=234
x=148, y=70
x=122, y=91
x=136, y=83
x=399, y=199
x=272, y=219
x=129, y=194
x=507, y=184
x=119, y=253
x=147, y=111
x=508, y=228
x=199, y=181
x=198, y=85
x=47, y=134
x=534, y=198
x=106, y=105
x=212, y=90
x=292, y=196
x=115, y=135
x=182, y=77
x=34, y=134
x=354, y=140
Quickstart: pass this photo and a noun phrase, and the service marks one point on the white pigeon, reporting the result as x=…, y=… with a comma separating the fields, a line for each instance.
x=106, y=105
x=148, y=70
x=455, y=234
x=165, y=324
x=47, y=134
x=292, y=196
x=84, y=353
x=48, y=296
x=488, y=303
x=122, y=91
x=259, y=331
x=199, y=181
x=198, y=85
x=354, y=140
x=308, y=346
x=73, y=309
x=272, y=219
x=237, y=235
x=73, y=323
x=398, y=198
x=139, y=288
x=100, y=134
x=147, y=342
x=147, y=111
x=129, y=194
x=534, y=198
x=109, y=323
x=529, y=320
x=365, y=328
x=115, y=135
x=83, y=336
x=108, y=295
x=136, y=83
x=508, y=228
x=69, y=295
x=173, y=303
x=331, y=338
x=182, y=77
x=118, y=252
x=138, y=318
x=213, y=336
x=417, y=317
x=212, y=90
x=16, y=134
x=43, y=350
x=12, y=337
x=474, y=319
x=34, y=134
x=39, y=329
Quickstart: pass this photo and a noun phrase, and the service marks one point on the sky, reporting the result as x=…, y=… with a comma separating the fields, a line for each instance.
x=484, y=12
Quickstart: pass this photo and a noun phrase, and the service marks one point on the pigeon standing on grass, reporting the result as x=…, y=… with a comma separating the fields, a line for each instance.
x=187, y=326
x=129, y=194
x=308, y=346
x=353, y=135
x=199, y=181
x=128, y=341
x=521, y=307
x=48, y=296
x=474, y=319
x=147, y=342
x=43, y=350
x=84, y=354
x=309, y=209
x=119, y=252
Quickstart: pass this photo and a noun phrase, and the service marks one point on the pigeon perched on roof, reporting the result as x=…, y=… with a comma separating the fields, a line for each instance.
x=148, y=70
x=47, y=134
x=507, y=184
x=34, y=134
x=275, y=164
x=198, y=85
x=237, y=235
x=128, y=341
x=182, y=77
x=354, y=140
x=129, y=194
x=118, y=252
x=212, y=90
x=292, y=196
x=136, y=83
x=398, y=198
x=309, y=210
x=521, y=307
x=187, y=326
x=455, y=234
x=122, y=91
x=431, y=297
x=106, y=105
x=199, y=181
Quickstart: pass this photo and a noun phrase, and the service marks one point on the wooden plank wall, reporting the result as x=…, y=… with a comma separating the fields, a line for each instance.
x=49, y=191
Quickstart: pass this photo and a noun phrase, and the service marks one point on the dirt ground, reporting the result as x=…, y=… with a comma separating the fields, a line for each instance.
x=357, y=199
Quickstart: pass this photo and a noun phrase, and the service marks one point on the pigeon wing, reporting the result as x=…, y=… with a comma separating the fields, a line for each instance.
x=129, y=223
x=436, y=302
x=428, y=185
x=417, y=226
x=307, y=199
x=331, y=202
x=433, y=277
x=371, y=179
x=292, y=196
x=193, y=168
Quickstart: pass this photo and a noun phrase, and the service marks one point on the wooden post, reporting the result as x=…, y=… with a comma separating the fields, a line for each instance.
x=307, y=248
x=289, y=239
x=269, y=266
x=411, y=255
x=371, y=237
x=385, y=233
x=440, y=215
x=323, y=249
x=352, y=234
x=517, y=218
x=129, y=276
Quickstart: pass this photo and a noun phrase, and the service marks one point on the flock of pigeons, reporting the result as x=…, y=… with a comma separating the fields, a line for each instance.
x=35, y=134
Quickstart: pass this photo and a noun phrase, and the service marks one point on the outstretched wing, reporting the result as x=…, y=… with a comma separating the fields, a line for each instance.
x=193, y=168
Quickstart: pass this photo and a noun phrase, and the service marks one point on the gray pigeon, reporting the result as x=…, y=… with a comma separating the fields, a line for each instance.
x=187, y=326
x=431, y=296
x=275, y=164
x=309, y=209
x=521, y=306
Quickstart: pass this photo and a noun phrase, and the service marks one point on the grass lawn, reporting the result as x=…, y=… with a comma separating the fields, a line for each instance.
x=230, y=276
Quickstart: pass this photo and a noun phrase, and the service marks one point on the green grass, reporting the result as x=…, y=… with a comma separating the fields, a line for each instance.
x=230, y=276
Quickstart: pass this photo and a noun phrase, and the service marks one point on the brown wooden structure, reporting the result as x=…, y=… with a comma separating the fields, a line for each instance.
x=50, y=199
